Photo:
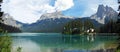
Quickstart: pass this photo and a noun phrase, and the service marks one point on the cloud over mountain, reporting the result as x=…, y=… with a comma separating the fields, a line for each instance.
x=29, y=11
x=63, y=4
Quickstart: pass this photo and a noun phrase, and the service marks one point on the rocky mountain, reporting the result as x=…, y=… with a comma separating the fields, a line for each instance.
x=8, y=28
x=9, y=24
x=50, y=22
x=54, y=22
x=8, y=20
x=53, y=16
x=104, y=14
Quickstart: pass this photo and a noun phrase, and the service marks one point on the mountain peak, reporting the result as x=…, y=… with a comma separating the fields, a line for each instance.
x=104, y=13
x=53, y=14
x=102, y=10
x=57, y=14
x=8, y=20
x=100, y=6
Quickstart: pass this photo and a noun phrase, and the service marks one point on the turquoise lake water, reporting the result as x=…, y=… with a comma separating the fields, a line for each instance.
x=56, y=42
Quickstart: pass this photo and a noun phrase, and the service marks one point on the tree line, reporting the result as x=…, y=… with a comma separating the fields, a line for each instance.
x=77, y=26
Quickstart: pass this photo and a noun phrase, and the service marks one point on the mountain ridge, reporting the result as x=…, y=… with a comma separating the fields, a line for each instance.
x=104, y=14
x=54, y=22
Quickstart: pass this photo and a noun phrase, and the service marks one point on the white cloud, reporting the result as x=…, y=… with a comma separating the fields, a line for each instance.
x=29, y=11
x=63, y=4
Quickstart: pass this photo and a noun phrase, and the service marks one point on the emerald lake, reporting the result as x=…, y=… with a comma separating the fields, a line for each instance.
x=56, y=42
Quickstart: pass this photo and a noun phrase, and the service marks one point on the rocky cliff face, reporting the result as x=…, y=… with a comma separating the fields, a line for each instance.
x=9, y=24
x=104, y=14
x=53, y=16
x=8, y=20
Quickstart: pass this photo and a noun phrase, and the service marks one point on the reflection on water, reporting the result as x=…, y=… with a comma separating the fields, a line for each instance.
x=55, y=42
x=26, y=45
x=91, y=37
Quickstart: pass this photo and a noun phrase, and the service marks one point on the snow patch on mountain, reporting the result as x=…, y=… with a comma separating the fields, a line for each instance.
x=53, y=16
x=8, y=20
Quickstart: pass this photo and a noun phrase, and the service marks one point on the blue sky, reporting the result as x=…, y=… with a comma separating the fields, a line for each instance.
x=84, y=8
x=29, y=11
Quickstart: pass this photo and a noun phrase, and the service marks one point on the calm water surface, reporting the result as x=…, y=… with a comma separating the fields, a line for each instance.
x=56, y=42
